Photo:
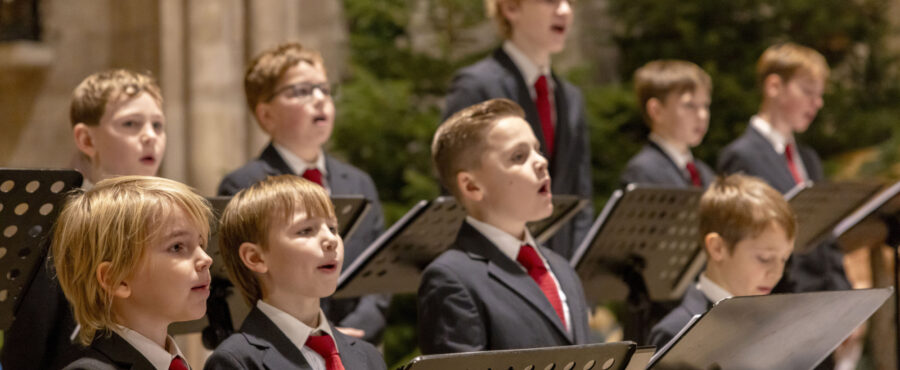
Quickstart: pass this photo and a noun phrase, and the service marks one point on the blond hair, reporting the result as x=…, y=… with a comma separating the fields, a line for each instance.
x=253, y=212
x=788, y=59
x=114, y=222
x=739, y=207
x=659, y=78
x=460, y=141
x=492, y=7
x=264, y=71
x=90, y=97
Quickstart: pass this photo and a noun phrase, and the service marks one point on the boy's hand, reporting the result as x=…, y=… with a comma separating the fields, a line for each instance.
x=353, y=332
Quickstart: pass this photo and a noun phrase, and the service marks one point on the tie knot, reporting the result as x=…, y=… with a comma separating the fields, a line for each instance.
x=529, y=258
x=322, y=344
x=789, y=150
x=540, y=86
x=314, y=175
x=178, y=364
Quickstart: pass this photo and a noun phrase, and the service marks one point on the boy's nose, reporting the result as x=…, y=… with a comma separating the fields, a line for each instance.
x=564, y=8
x=205, y=261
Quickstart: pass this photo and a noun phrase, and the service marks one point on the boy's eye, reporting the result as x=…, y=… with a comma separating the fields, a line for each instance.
x=129, y=123
x=333, y=229
x=176, y=248
x=158, y=126
x=305, y=231
x=765, y=259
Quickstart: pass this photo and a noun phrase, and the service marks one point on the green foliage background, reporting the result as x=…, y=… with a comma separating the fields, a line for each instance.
x=390, y=105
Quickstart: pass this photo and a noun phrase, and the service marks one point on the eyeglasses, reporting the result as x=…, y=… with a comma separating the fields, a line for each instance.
x=304, y=92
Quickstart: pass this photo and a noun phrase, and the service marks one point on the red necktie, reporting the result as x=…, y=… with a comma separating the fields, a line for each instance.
x=178, y=364
x=789, y=155
x=324, y=346
x=529, y=259
x=695, y=175
x=314, y=175
x=545, y=112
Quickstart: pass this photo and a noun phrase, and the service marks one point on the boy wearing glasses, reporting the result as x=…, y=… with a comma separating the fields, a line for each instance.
x=288, y=92
x=520, y=70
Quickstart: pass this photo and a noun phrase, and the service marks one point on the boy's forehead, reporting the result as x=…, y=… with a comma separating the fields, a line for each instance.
x=508, y=130
x=303, y=72
x=123, y=104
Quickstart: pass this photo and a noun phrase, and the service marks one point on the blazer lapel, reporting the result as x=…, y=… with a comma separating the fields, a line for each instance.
x=280, y=352
x=562, y=158
x=576, y=306
x=517, y=90
x=695, y=301
x=346, y=345
x=508, y=273
x=338, y=177
x=774, y=163
x=277, y=165
x=119, y=351
x=673, y=168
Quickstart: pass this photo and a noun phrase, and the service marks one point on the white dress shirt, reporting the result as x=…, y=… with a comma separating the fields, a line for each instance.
x=779, y=142
x=298, y=332
x=680, y=158
x=531, y=72
x=711, y=290
x=159, y=357
x=299, y=166
x=510, y=246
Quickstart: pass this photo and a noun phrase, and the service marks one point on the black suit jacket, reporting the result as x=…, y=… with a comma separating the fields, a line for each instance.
x=369, y=312
x=823, y=267
x=473, y=298
x=693, y=303
x=498, y=77
x=260, y=344
x=108, y=353
x=653, y=166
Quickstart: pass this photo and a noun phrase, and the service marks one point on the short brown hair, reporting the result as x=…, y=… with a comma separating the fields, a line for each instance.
x=787, y=59
x=493, y=11
x=264, y=71
x=114, y=222
x=90, y=97
x=659, y=78
x=253, y=212
x=460, y=140
x=738, y=207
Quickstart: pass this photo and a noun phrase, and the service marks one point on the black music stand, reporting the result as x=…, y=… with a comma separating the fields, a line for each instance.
x=821, y=206
x=30, y=201
x=877, y=221
x=395, y=261
x=224, y=310
x=644, y=247
x=778, y=331
x=604, y=356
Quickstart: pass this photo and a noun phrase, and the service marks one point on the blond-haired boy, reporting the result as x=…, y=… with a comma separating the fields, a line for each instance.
x=496, y=288
x=748, y=234
x=519, y=70
x=674, y=96
x=130, y=256
x=280, y=245
x=289, y=94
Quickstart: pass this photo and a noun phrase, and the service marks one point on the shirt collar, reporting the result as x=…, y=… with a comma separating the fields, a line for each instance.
x=775, y=138
x=530, y=71
x=711, y=290
x=507, y=243
x=297, y=164
x=158, y=356
x=680, y=158
x=293, y=328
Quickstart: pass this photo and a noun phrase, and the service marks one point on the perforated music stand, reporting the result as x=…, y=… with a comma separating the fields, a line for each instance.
x=778, y=331
x=604, y=356
x=30, y=201
x=648, y=230
x=394, y=262
x=224, y=307
x=821, y=206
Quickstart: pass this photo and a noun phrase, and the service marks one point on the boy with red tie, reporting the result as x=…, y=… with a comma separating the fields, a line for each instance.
x=674, y=100
x=496, y=288
x=289, y=94
x=792, y=78
x=280, y=245
x=554, y=109
x=130, y=256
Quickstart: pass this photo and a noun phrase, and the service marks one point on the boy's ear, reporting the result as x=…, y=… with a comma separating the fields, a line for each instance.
x=716, y=247
x=122, y=290
x=654, y=109
x=83, y=140
x=263, y=114
x=468, y=185
x=252, y=256
x=772, y=85
x=509, y=9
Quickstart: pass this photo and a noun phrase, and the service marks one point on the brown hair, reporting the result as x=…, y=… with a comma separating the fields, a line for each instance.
x=460, y=140
x=264, y=71
x=252, y=214
x=659, y=78
x=90, y=97
x=493, y=11
x=738, y=207
x=787, y=59
x=114, y=222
